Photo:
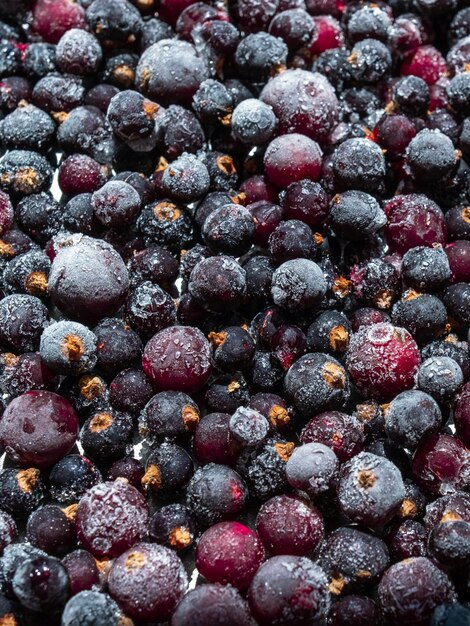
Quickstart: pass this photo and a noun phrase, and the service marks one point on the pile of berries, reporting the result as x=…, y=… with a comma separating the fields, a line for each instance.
x=234, y=312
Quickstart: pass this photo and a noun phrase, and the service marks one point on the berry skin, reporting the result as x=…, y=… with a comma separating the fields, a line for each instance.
x=410, y=416
x=407, y=540
x=316, y=382
x=130, y=391
x=453, y=506
x=88, y=280
x=178, y=358
x=229, y=553
x=291, y=158
x=169, y=414
x=116, y=204
x=298, y=284
x=288, y=344
x=457, y=254
x=120, y=23
x=127, y=468
x=117, y=345
x=6, y=213
x=290, y=240
x=52, y=19
x=265, y=467
x=260, y=54
x=78, y=52
x=359, y=164
x=448, y=614
x=353, y=560
x=28, y=273
x=173, y=526
x=147, y=581
x=8, y=530
x=164, y=60
x=168, y=469
x=213, y=441
x=449, y=543
x=426, y=269
x=312, y=468
x=39, y=216
x=412, y=95
x=92, y=608
x=441, y=464
x=370, y=489
x=46, y=439
x=360, y=610
x=82, y=570
x=218, y=605
x=289, y=525
x=28, y=128
x=68, y=348
x=22, y=320
x=289, y=590
x=248, y=427
x=423, y=315
x=49, y=529
x=355, y=215
x=233, y=348
x=462, y=415
x=431, y=156
x=413, y=220
x=253, y=122
x=312, y=111
x=106, y=435
x=71, y=477
x=229, y=229
x=306, y=201
x=218, y=283
x=110, y=518
x=329, y=332
x=382, y=360
x=441, y=377
x=150, y=309
x=410, y=591
x=41, y=584
x=24, y=172
x=213, y=103
x=216, y=493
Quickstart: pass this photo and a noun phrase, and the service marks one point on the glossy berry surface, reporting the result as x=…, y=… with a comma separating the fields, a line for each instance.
x=289, y=525
x=229, y=553
x=164, y=363
x=44, y=440
x=41, y=584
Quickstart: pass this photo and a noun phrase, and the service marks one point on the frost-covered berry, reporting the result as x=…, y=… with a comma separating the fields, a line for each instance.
x=111, y=517
x=370, y=489
x=68, y=348
x=147, y=581
x=382, y=360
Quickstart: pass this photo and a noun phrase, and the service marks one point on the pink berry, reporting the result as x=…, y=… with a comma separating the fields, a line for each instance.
x=178, y=358
x=382, y=360
x=229, y=552
x=111, y=517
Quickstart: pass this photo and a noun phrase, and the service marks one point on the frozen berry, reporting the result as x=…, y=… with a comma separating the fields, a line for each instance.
x=229, y=552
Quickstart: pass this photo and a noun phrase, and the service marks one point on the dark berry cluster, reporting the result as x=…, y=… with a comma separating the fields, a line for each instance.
x=234, y=312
